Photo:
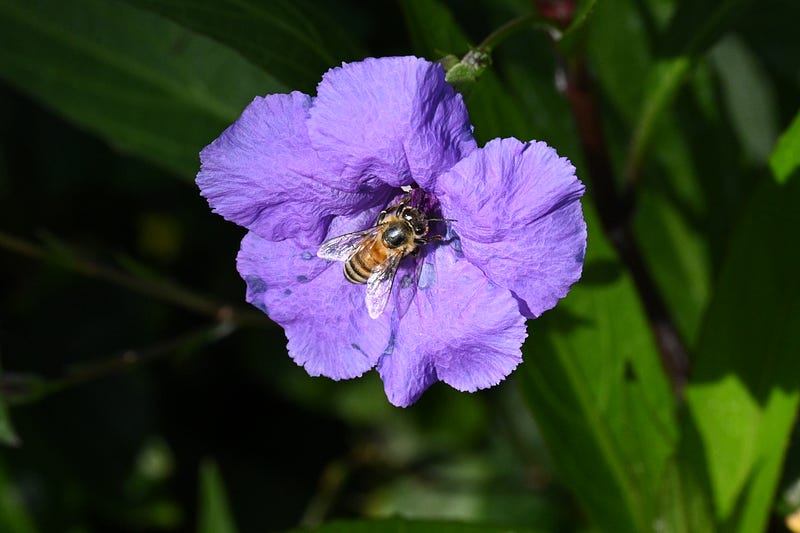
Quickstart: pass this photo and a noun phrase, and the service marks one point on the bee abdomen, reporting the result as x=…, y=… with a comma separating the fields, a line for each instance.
x=356, y=270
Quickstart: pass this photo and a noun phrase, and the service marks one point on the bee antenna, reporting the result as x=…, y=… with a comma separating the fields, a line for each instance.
x=442, y=220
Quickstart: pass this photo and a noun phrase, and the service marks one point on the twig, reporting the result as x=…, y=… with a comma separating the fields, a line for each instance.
x=25, y=388
x=162, y=290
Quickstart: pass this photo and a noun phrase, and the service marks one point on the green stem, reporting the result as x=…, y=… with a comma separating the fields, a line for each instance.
x=509, y=28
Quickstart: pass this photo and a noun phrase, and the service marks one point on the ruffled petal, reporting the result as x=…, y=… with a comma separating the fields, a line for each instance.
x=325, y=318
x=459, y=328
x=391, y=120
x=263, y=174
x=518, y=215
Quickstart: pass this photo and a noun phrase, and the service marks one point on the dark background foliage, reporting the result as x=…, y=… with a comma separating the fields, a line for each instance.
x=139, y=393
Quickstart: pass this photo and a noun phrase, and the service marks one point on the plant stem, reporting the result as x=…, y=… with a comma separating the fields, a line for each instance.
x=22, y=388
x=510, y=27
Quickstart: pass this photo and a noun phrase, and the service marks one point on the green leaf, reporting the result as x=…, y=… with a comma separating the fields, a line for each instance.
x=14, y=517
x=7, y=434
x=786, y=157
x=617, y=40
x=433, y=30
x=215, y=516
x=696, y=26
x=629, y=57
x=397, y=525
x=296, y=41
x=744, y=394
x=593, y=379
x=141, y=82
x=749, y=97
x=574, y=35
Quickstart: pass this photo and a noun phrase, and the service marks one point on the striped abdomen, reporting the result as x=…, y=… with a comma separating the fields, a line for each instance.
x=358, y=268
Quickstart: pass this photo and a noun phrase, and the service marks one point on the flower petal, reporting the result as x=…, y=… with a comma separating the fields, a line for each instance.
x=459, y=328
x=325, y=318
x=262, y=173
x=517, y=212
x=390, y=120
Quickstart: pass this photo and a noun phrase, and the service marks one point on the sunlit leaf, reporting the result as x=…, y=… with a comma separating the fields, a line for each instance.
x=744, y=393
x=785, y=159
x=139, y=81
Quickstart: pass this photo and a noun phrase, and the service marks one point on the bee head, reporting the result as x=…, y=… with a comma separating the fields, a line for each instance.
x=416, y=219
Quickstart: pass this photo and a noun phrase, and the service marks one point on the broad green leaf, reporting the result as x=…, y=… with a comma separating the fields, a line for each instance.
x=786, y=157
x=139, y=81
x=677, y=192
x=625, y=47
x=215, y=516
x=685, y=502
x=594, y=382
x=397, y=525
x=619, y=46
x=745, y=392
x=296, y=41
x=665, y=226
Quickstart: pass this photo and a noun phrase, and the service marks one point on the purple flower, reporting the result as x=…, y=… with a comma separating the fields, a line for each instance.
x=298, y=170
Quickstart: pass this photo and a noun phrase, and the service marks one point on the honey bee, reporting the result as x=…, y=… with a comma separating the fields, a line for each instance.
x=373, y=255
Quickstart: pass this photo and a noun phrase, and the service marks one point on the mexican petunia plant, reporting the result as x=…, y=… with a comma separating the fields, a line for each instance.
x=297, y=170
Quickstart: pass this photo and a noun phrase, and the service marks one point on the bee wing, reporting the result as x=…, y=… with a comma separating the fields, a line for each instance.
x=379, y=284
x=342, y=247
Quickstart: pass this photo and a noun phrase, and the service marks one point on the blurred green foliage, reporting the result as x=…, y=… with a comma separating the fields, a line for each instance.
x=138, y=393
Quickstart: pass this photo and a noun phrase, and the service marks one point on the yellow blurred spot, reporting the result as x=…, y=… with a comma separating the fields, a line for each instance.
x=793, y=521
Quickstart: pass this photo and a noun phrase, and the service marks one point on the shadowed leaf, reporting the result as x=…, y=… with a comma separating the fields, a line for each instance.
x=144, y=84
